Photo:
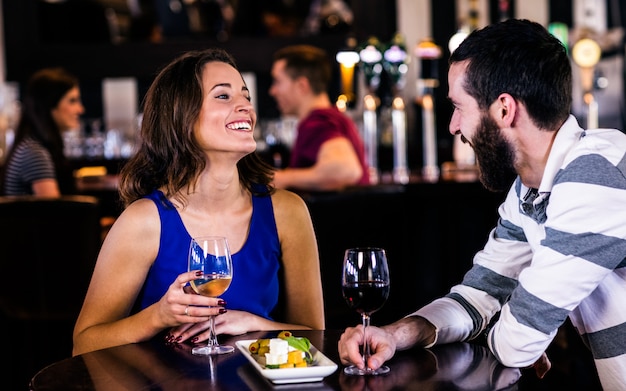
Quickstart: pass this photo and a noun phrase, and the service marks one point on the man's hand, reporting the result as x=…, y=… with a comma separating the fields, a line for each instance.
x=542, y=365
x=382, y=347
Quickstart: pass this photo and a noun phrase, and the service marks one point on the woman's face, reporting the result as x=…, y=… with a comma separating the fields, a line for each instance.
x=227, y=118
x=68, y=111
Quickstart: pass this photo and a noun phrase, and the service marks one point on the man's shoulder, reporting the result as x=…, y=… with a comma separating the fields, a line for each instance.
x=329, y=117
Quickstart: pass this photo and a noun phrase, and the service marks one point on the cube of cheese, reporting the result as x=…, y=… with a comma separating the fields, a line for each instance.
x=279, y=346
x=283, y=355
x=275, y=359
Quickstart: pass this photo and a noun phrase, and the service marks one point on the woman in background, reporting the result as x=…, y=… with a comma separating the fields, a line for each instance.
x=36, y=164
x=196, y=173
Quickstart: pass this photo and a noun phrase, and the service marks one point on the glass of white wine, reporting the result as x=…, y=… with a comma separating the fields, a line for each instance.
x=211, y=255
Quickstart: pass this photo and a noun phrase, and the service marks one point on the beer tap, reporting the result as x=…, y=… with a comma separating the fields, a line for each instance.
x=371, y=57
x=428, y=54
x=395, y=59
x=586, y=54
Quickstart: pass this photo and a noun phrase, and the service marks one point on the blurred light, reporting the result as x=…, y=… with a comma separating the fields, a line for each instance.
x=347, y=58
x=560, y=31
x=395, y=54
x=397, y=103
x=342, y=103
x=456, y=40
x=370, y=54
x=427, y=49
x=586, y=53
x=369, y=103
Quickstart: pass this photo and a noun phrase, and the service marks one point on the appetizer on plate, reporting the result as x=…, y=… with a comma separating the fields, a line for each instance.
x=285, y=351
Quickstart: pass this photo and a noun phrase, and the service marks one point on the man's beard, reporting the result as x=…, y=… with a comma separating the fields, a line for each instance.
x=494, y=156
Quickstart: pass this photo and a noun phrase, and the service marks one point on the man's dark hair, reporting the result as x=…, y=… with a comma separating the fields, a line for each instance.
x=308, y=61
x=523, y=59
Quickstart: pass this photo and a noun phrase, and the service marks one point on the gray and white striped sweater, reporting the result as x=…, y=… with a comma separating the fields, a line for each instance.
x=556, y=252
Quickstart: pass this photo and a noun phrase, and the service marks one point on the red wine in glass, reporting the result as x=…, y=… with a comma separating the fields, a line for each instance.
x=366, y=296
x=365, y=287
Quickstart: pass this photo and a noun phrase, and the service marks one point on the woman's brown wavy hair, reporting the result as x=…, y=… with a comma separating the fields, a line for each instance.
x=168, y=155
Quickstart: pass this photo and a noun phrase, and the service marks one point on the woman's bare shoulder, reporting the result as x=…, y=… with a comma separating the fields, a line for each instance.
x=287, y=200
x=139, y=208
x=140, y=214
x=290, y=210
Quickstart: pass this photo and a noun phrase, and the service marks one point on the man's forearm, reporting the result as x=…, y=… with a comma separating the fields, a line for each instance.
x=411, y=331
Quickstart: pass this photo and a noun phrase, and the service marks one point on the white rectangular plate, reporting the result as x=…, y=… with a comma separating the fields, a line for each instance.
x=321, y=368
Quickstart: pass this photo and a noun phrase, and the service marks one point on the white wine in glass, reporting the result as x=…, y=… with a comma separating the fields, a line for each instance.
x=365, y=287
x=211, y=256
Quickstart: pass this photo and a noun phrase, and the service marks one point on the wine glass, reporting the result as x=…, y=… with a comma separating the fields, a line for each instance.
x=211, y=256
x=365, y=287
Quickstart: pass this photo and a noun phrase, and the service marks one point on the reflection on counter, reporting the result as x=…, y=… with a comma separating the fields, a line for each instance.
x=460, y=366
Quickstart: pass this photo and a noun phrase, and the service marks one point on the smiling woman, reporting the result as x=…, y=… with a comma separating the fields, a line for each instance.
x=195, y=173
x=36, y=164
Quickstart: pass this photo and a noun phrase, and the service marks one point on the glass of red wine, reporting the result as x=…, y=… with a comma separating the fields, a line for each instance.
x=365, y=288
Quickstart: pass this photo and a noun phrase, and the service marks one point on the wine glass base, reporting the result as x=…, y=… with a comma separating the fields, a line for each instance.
x=355, y=371
x=211, y=350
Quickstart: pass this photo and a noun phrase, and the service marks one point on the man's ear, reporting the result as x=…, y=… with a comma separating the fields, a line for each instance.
x=303, y=84
x=505, y=109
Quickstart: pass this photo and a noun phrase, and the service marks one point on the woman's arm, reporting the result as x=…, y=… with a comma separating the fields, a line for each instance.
x=122, y=267
x=304, y=304
x=123, y=264
x=47, y=187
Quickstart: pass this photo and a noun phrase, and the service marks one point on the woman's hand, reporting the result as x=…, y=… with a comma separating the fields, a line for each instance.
x=183, y=310
x=237, y=323
x=231, y=322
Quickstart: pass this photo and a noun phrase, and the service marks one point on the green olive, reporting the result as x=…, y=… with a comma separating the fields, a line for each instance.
x=285, y=334
x=254, y=347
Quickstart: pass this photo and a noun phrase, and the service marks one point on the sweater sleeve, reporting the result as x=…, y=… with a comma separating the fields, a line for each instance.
x=466, y=311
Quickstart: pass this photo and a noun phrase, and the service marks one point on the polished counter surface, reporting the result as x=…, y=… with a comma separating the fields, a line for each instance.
x=155, y=365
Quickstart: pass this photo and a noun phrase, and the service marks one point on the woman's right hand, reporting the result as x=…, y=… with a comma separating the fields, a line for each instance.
x=180, y=308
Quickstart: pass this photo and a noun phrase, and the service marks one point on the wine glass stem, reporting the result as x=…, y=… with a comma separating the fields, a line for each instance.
x=212, y=341
x=366, y=346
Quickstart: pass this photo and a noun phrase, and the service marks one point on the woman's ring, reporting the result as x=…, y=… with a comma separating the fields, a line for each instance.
x=187, y=310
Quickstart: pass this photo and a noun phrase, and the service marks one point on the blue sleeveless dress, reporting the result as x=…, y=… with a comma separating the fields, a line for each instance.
x=256, y=267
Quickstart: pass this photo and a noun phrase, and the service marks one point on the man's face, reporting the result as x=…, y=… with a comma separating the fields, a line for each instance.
x=494, y=153
x=284, y=89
